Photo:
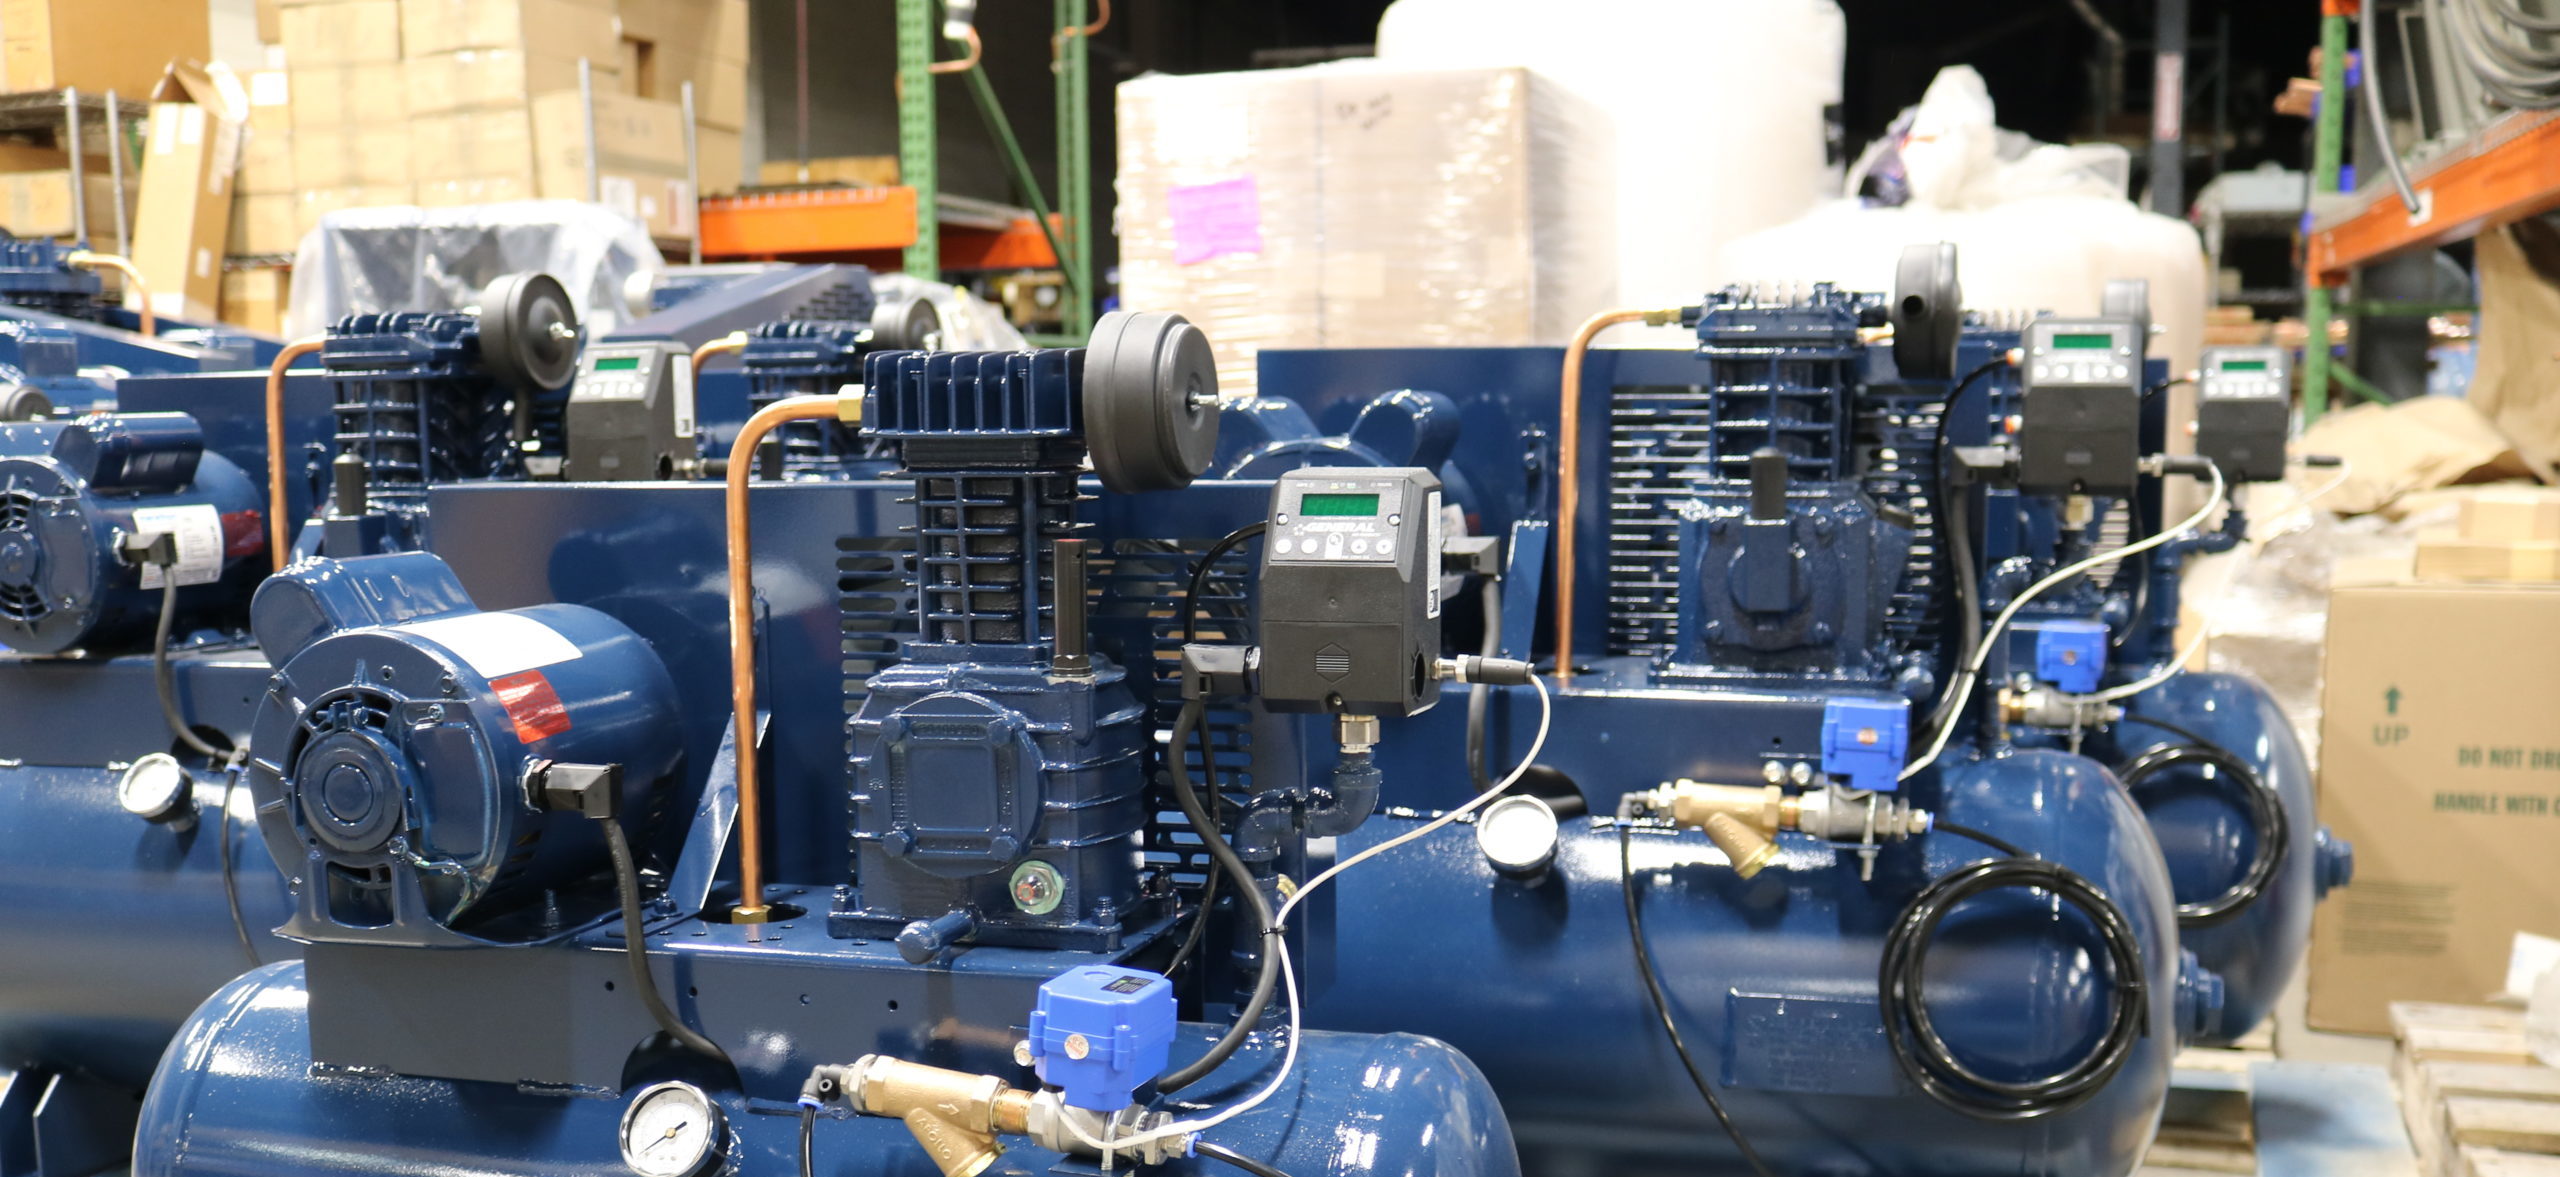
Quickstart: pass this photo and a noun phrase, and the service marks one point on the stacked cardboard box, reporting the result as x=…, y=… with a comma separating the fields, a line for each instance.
x=348, y=109
x=98, y=45
x=265, y=213
x=667, y=43
x=35, y=193
x=473, y=70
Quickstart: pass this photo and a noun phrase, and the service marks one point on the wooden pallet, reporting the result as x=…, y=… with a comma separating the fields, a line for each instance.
x=2207, y=1126
x=2477, y=1103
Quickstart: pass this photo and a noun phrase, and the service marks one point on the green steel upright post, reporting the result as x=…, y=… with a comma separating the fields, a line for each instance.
x=1075, y=164
x=2327, y=152
x=916, y=132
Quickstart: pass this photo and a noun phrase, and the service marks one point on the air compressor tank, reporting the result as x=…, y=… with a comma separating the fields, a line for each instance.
x=78, y=500
x=1775, y=982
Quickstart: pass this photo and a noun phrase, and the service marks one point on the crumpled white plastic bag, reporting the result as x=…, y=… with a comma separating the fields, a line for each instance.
x=407, y=258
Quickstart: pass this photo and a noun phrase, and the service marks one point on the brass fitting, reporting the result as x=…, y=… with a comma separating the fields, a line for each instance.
x=1748, y=849
x=955, y=1115
x=1766, y=809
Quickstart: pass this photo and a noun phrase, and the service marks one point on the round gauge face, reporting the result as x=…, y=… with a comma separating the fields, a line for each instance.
x=1517, y=833
x=155, y=786
x=671, y=1130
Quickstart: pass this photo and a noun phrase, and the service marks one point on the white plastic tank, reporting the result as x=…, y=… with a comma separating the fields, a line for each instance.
x=1726, y=114
x=2036, y=226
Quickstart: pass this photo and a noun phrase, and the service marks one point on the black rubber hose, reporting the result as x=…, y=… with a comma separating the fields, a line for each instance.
x=1220, y=1152
x=1267, y=975
x=230, y=875
x=808, y=1134
x=164, y=683
x=1190, y=606
x=2266, y=812
x=1662, y=1006
x=1479, y=694
x=1923, y=1054
x=626, y=880
x=1954, y=527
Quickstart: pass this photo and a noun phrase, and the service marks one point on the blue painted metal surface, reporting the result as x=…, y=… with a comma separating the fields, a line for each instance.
x=1774, y=980
x=239, y=1097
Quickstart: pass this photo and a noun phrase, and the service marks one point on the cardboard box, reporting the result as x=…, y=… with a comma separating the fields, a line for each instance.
x=270, y=22
x=255, y=298
x=719, y=85
x=632, y=135
x=2440, y=762
x=2506, y=514
x=358, y=157
x=347, y=32
x=119, y=45
x=716, y=29
x=493, y=79
x=473, y=143
x=265, y=224
x=476, y=190
x=723, y=156
x=860, y=171
x=345, y=97
x=17, y=155
x=38, y=204
x=1354, y=204
x=318, y=202
x=266, y=146
x=567, y=29
x=183, y=219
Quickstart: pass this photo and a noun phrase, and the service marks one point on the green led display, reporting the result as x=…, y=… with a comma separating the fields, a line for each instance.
x=618, y=364
x=1338, y=504
x=2084, y=341
x=2244, y=365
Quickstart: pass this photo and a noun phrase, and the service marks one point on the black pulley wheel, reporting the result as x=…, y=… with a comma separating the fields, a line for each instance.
x=909, y=324
x=1150, y=401
x=529, y=332
x=1928, y=311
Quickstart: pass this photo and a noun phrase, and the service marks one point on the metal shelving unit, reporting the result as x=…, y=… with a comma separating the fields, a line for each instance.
x=72, y=113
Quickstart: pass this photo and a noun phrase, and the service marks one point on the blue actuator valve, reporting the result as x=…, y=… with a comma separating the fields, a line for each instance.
x=1101, y=1032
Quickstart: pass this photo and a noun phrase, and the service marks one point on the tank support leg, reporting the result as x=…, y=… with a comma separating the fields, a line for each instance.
x=62, y=1126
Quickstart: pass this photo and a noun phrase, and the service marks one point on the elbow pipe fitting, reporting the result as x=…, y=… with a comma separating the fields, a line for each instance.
x=1350, y=798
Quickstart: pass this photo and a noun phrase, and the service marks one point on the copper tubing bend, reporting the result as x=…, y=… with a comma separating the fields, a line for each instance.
x=733, y=341
x=1569, y=465
x=132, y=278
x=846, y=407
x=977, y=48
x=279, y=529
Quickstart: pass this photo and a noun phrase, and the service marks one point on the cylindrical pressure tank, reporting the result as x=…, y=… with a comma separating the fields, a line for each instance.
x=239, y=1096
x=1774, y=981
x=80, y=504
x=2210, y=837
x=117, y=924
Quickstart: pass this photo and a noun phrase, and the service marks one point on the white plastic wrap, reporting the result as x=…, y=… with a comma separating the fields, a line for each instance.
x=1723, y=111
x=1359, y=205
x=2036, y=227
x=969, y=323
x=406, y=258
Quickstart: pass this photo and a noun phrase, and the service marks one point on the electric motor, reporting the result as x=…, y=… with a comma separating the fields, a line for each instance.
x=395, y=754
x=96, y=512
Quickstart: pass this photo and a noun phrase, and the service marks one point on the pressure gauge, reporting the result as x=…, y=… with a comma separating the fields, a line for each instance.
x=671, y=1130
x=1518, y=835
x=158, y=789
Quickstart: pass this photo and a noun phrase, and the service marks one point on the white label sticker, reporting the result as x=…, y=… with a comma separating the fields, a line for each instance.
x=197, y=528
x=1431, y=554
x=684, y=394
x=497, y=644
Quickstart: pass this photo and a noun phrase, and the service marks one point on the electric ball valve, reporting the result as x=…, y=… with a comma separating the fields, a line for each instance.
x=399, y=757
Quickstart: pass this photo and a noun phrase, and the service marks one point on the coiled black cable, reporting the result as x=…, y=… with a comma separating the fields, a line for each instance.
x=1923, y=1054
x=2266, y=812
x=1662, y=1006
x=1954, y=530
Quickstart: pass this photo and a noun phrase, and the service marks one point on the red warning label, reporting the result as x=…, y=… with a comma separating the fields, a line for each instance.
x=532, y=705
x=244, y=533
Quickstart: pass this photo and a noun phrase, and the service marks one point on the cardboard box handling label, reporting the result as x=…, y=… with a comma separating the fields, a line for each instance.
x=2440, y=761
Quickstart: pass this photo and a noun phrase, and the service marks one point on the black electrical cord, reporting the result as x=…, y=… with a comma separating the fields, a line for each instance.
x=1923, y=1054
x=808, y=1133
x=1479, y=695
x=1267, y=976
x=163, y=682
x=1662, y=1005
x=626, y=880
x=1955, y=528
x=230, y=876
x=2266, y=812
x=1220, y=1152
x=1190, y=606
x=2002, y=845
